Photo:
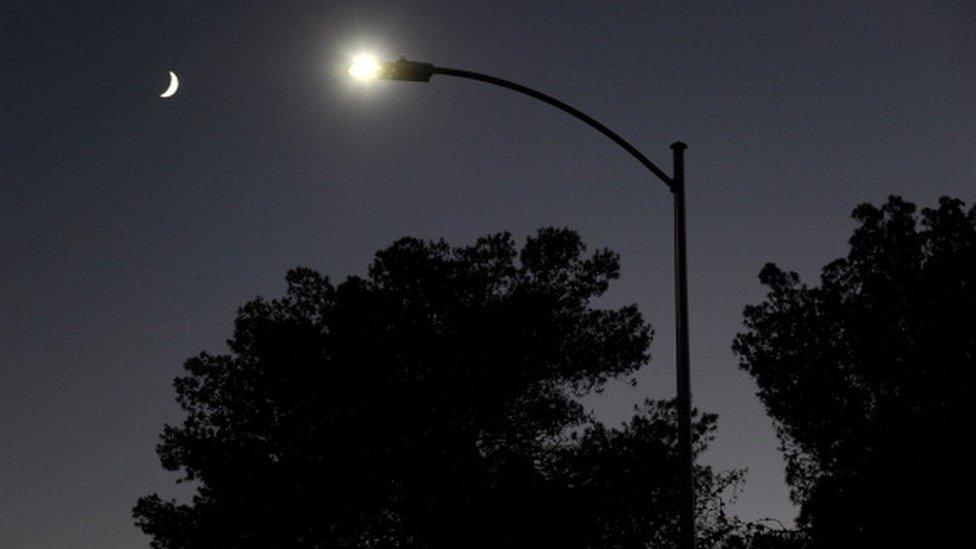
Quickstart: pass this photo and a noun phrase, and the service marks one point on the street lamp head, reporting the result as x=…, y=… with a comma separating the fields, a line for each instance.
x=407, y=71
x=366, y=67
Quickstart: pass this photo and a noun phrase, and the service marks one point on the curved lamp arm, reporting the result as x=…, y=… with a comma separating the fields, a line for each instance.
x=414, y=71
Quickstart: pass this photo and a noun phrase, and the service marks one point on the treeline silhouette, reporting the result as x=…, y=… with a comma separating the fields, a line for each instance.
x=434, y=403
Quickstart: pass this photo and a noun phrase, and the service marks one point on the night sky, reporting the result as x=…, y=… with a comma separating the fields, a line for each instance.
x=132, y=227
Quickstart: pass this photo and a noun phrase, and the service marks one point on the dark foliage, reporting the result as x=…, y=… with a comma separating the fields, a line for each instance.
x=431, y=404
x=869, y=377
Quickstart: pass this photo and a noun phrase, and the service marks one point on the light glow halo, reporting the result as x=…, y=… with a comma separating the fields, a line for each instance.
x=364, y=67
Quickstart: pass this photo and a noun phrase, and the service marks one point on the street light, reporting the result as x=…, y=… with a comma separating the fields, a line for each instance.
x=366, y=67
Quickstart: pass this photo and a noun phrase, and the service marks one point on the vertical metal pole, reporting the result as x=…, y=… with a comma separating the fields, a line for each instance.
x=687, y=512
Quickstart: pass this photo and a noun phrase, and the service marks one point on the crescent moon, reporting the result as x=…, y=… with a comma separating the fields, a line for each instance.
x=174, y=84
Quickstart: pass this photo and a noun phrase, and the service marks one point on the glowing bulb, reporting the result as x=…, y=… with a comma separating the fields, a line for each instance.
x=364, y=67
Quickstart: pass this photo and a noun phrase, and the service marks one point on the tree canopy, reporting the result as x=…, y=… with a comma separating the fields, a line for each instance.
x=869, y=378
x=432, y=403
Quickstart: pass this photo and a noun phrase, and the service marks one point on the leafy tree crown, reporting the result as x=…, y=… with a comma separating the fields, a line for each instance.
x=431, y=403
x=869, y=376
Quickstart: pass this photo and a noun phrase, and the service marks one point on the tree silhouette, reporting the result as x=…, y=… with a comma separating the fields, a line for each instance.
x=869, y=378
x=431, y=404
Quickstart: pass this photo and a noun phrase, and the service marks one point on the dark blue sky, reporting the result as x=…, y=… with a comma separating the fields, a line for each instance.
x=131, y=227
